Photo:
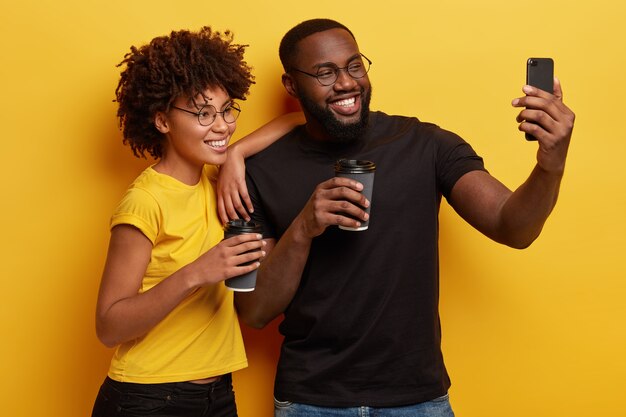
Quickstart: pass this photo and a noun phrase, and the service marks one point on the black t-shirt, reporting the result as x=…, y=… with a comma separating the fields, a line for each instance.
x=363, y=327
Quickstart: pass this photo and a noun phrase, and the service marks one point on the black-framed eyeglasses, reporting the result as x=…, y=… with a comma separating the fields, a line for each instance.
x=328, y=74
x=207, y=113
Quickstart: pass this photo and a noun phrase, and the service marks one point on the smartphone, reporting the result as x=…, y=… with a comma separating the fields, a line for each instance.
x=540, y=74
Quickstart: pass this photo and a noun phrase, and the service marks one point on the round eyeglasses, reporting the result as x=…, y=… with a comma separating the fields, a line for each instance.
x=207, y=113
x=328, y=74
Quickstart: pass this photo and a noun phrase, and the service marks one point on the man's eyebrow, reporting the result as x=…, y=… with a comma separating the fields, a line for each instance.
x=332, y=64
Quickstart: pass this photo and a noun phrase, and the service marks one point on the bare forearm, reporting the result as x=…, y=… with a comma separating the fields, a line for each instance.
x=277, y=281
x=267, y=134
x=135, y=316
x=511, y=218
x=526, y=210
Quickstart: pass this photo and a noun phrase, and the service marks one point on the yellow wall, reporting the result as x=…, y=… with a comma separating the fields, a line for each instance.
x=538, y=332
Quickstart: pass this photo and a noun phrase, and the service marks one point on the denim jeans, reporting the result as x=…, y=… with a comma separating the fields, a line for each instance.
x=439, y=407
x=176, y=399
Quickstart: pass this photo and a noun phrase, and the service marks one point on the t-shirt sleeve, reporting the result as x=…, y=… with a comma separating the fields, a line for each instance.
x=455, y=158
x=140, y=209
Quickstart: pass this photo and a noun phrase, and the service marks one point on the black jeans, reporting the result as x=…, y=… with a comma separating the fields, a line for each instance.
x=176, y=399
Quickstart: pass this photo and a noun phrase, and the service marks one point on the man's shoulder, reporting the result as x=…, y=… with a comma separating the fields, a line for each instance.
x=409, y=125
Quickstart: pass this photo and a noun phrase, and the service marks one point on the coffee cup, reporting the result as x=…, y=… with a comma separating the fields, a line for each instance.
x=363, y=172
x=245, y=282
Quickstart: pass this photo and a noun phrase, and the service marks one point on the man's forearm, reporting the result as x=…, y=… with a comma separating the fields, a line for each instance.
x=527, y=209
x=278, y=279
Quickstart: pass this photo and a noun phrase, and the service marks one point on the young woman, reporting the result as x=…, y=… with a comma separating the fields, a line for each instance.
x=162, y=302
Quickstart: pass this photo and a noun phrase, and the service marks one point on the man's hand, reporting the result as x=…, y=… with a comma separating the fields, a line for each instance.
x=550, y=121
x=330, y=204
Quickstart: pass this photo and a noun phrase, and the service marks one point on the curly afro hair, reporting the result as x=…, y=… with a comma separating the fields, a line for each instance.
x=182, y=64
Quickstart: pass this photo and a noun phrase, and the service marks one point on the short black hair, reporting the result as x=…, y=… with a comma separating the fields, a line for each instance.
x=184, y=63
x=289, y=43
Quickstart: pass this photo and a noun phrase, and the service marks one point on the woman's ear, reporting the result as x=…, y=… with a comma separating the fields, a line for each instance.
x=290, y=85
x=160, y=122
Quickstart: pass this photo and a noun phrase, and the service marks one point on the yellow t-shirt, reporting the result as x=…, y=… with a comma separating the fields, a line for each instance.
x=201, y=337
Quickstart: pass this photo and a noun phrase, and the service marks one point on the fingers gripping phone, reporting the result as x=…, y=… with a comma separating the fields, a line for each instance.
x=540, y=74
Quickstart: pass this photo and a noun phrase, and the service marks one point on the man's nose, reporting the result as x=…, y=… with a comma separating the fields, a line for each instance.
x=344, y=80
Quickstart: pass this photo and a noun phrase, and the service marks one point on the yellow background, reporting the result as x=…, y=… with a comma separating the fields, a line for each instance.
x=538, y=332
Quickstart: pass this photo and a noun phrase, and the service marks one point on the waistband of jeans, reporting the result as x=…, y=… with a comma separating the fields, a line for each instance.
x=189, y=386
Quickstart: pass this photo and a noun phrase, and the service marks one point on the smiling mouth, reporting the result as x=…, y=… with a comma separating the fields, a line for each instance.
x=348, y=102
x=216, y=143
x=347, y=106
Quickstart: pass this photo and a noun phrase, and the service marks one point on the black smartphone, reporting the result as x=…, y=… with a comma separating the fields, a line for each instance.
x=540, y=74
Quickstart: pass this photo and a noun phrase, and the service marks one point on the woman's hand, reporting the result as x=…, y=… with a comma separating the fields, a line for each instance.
x=233, y=199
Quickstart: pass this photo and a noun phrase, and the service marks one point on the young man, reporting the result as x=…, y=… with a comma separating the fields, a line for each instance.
x=361, y=320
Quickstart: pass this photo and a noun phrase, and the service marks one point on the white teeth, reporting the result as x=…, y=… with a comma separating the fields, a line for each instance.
x=216, y=143
x=346, y=103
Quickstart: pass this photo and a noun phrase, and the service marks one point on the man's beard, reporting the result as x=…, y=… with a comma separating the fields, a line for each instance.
x=338, y=131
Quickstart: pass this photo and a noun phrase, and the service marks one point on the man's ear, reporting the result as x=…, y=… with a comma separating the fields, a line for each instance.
x=290, y=85
x=161, y=123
